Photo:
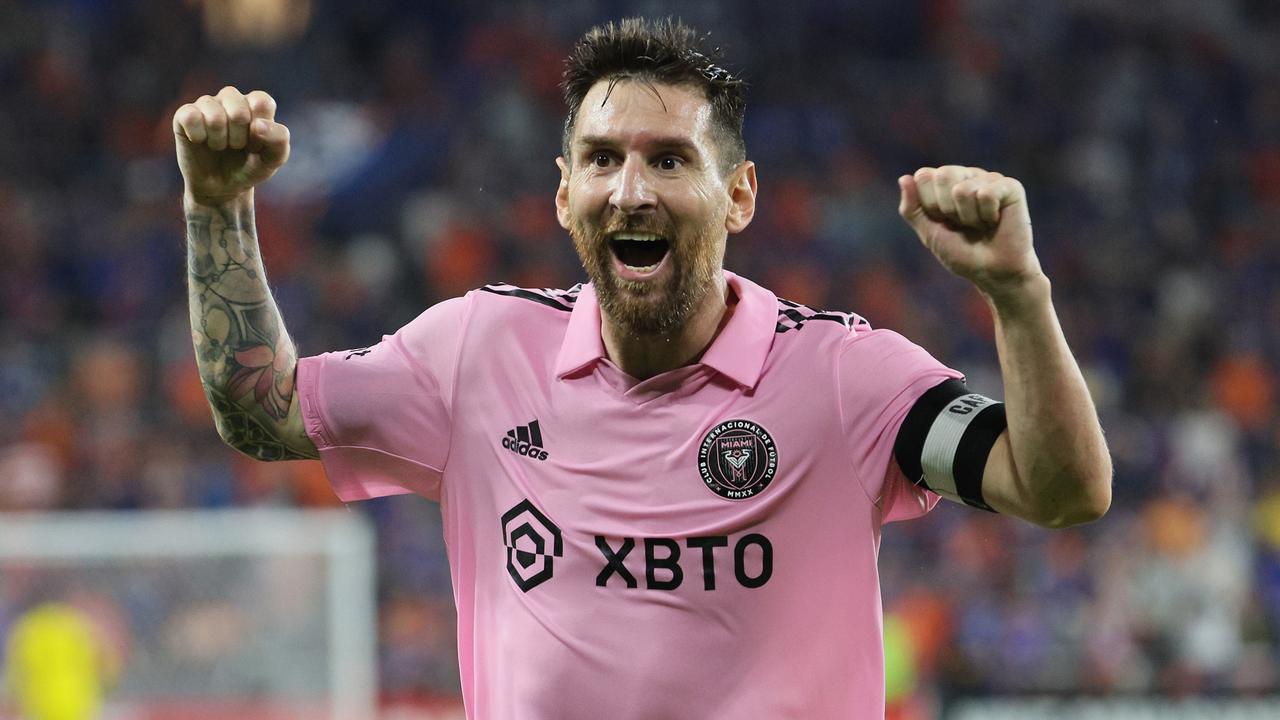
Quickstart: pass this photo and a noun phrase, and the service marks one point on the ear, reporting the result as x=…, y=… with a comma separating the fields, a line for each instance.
x=742, y=197
x=562, y=193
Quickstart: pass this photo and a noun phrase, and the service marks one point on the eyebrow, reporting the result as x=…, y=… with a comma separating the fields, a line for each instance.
x=671, y=142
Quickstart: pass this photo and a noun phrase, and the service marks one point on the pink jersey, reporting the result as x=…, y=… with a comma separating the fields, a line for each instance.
x=701, y=544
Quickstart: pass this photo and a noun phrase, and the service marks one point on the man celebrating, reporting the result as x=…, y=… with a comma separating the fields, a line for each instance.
x=662, y=490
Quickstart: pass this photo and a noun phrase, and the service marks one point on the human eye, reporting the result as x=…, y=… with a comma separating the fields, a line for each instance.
x=601, y=159
x=670, y=162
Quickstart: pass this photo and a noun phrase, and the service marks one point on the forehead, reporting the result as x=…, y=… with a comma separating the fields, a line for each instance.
x=634, y=110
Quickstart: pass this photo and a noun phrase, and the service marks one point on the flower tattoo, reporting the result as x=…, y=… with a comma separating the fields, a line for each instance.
x=267, y=371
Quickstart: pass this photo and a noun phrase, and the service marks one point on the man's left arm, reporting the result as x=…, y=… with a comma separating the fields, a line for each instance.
x=1051, y=466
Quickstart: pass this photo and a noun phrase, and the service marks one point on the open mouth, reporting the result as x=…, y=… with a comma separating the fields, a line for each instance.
x=640, y=252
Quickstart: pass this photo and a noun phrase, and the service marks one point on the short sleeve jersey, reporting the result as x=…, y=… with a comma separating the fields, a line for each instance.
x=700, y=544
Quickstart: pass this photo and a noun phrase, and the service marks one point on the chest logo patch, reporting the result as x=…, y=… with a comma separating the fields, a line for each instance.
x=533, y=542
x=737, y=459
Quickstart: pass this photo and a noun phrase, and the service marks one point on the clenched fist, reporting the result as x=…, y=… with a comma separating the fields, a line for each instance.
x=228, y=144
x=975, y=222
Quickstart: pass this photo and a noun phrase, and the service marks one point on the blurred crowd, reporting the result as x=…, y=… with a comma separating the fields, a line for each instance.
x=1147, y=134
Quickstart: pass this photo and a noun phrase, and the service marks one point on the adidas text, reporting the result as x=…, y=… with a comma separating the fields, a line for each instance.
x=521, y=447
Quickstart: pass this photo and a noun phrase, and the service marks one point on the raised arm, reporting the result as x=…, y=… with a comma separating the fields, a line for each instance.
x=226, y=146
x=1051, y=466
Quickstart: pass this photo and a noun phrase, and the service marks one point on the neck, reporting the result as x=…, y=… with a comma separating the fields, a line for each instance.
x=644, y=356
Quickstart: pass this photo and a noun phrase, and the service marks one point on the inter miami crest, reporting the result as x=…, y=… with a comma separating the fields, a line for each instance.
x=737, y=459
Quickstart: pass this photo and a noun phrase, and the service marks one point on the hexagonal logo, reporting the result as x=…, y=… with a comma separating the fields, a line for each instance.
x=532, y=541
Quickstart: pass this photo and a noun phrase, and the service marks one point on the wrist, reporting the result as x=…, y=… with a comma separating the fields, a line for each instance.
x=1017, y=297
x=192, y=201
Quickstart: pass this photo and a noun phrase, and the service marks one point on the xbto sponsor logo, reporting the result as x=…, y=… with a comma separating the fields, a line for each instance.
x=533, y=542
x=662, y=568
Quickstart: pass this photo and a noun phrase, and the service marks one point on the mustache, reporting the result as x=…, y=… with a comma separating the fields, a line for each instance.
x=638, y=224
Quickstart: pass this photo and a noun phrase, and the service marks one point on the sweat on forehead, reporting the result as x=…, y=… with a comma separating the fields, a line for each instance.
x=632, y=110
x=633, y=92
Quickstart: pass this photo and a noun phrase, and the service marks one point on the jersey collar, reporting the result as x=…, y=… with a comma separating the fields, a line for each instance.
x=738, y=352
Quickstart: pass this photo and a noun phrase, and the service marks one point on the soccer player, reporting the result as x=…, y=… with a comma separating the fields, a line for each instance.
x=662, y=490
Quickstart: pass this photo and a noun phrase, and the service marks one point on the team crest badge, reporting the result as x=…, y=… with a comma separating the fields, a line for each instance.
x=737, y=459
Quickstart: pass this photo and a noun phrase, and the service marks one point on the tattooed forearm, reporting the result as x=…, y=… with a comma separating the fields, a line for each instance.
x=246, y=359
x=245, y=432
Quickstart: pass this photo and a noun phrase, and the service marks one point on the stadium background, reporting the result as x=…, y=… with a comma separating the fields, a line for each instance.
x=1147, y=134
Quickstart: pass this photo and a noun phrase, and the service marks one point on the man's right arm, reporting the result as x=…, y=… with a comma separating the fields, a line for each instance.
x=226, y=146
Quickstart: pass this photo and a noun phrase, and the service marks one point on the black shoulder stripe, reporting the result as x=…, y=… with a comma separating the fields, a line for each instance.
x=842, y=318
x=793, y=316
x=560, y=300
x=915, y=427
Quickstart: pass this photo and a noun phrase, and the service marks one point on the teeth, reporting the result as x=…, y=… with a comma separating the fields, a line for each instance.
x=639, y=236
x=645, y=269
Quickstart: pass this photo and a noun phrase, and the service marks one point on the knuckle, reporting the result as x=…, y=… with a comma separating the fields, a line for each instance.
x=228, y=90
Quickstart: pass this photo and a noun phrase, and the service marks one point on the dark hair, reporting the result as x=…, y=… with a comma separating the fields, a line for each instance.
x=656, y=51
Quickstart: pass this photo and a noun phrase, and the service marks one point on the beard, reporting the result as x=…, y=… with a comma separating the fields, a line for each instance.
x=649, y=308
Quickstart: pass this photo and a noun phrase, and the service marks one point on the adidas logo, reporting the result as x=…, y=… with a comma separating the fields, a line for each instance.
x=525, y=440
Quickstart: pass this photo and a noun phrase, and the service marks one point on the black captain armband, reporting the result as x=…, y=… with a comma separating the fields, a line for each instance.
x=945, y=440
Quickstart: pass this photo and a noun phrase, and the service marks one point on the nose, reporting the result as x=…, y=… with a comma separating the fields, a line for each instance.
x=632, y=191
